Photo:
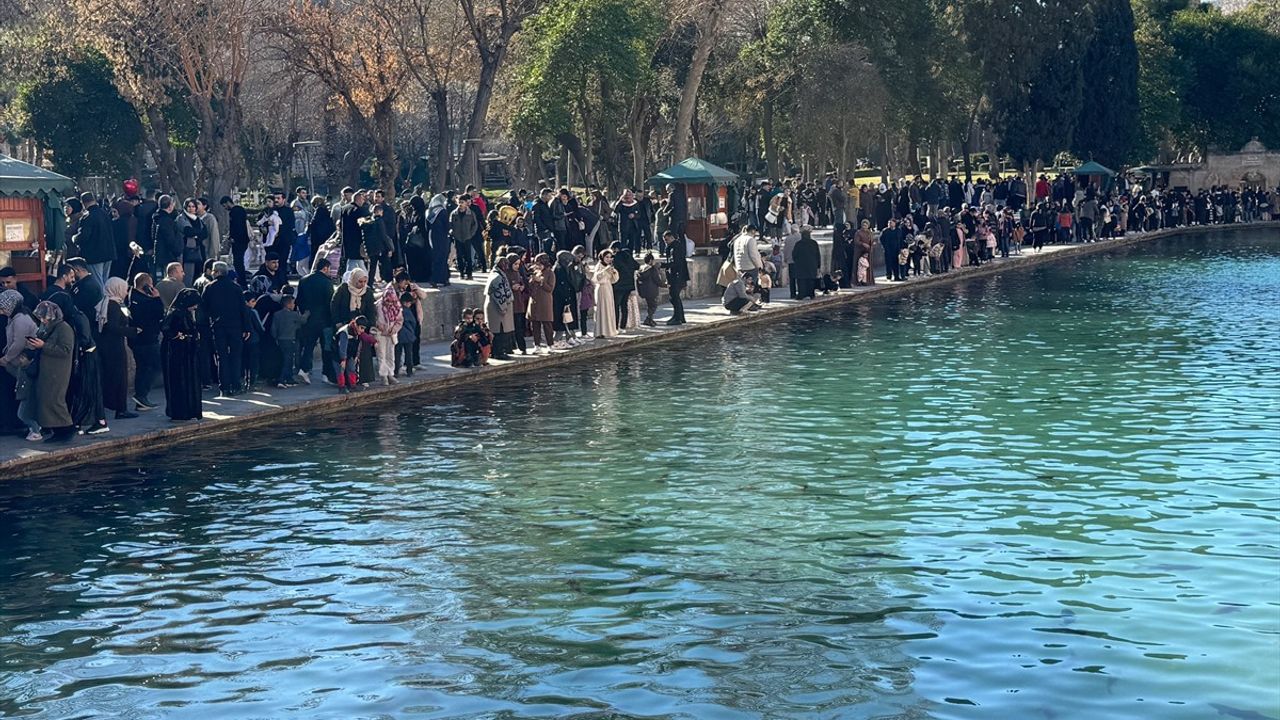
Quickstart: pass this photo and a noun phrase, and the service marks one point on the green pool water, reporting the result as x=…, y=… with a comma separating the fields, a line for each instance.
x=1051, y=493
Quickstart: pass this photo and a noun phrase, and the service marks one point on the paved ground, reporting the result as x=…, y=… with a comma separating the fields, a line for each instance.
x=152, y=429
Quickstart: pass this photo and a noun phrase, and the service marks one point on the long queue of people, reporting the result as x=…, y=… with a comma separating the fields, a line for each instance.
x=193, y=311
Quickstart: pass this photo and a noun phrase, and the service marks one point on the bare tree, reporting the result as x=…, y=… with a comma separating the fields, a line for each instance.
x=347, y=46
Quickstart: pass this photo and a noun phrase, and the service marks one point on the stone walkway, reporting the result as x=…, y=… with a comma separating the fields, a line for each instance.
x=153, y=430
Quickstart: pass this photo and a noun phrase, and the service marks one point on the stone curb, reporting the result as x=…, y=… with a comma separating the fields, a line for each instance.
x=87, y=455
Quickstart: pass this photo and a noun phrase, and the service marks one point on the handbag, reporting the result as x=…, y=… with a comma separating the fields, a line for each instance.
x=771, y=217
x=567, y=316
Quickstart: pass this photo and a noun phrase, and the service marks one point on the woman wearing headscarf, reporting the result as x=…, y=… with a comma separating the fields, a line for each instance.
x=498, y=310
x=568, y=285
x=542, y=285
x=437, y=221
x=390, y=319
x=864, y=244
x=56, y=342
x=352, y=299
x=413, y=234
x=113, y=349
x=518, y=281
x=180, y=357
x=16, y=362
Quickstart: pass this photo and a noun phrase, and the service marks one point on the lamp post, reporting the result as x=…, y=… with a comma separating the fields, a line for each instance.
x=305, y=146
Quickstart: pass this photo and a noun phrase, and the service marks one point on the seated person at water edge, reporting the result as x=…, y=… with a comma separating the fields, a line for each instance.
x=740, y=295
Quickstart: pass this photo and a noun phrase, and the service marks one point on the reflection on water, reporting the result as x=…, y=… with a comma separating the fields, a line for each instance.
x=1048, y=494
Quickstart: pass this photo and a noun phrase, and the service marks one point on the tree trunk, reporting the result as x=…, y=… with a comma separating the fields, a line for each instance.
x=163, y=153
x=439, y=177
x=573, y=155
x=689, y=93
x=770, y=147
x=913, y=156
x=968, y=164
x=384, y=145
x=469, y=164
x=844, y=172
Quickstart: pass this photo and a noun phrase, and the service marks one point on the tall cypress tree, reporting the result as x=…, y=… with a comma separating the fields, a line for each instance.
x=1107, y=129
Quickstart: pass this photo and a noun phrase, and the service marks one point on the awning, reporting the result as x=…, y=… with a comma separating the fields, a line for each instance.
x=1093, y=168
x=19, y=179
x=694, y=171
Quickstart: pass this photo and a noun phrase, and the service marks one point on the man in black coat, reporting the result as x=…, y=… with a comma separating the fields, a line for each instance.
x=677, y=275
x=626, y=265
x=222, y=303
x=238, y=232
x=350, y=231
x=166, y=241
x=544, y=224
x=96, y=239
x=283, y=245
x=315, y=295
x=891, y=241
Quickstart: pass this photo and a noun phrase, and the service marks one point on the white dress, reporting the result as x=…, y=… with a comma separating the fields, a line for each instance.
x=604, y=276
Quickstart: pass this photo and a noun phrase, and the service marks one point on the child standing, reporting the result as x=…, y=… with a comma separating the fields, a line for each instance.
x=390, y=320
x=285, y=325
x=407, y=341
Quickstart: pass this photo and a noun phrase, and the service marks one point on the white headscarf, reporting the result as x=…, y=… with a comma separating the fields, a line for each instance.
x=350, y=279
x=117, y=289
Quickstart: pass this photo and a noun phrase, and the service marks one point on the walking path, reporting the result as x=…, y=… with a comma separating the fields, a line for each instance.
x=223, y=416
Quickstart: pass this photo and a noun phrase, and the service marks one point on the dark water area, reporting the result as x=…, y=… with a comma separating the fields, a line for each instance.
x=1051, y=493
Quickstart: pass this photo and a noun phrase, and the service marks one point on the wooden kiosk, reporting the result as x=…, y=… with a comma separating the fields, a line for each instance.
x=31, y=219
x=710, y=194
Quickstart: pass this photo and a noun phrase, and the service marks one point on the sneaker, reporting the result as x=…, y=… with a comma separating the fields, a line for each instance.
x=327, y=381
x=98, y=430
x=34, y=437
x=281, y=385
x=126, y=415
x=560, y=345
x=304, y=378
x=143, y=405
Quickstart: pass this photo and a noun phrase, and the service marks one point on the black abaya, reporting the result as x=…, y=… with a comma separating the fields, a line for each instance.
x=180, y=358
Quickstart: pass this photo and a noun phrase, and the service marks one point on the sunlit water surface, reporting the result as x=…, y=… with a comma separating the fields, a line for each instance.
x=1048, y=494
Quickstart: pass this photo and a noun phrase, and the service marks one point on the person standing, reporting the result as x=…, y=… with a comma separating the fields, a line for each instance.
x=390, y=319
x=89, y=298
x=541, y=288
x=56, y=343
x=807, y=261
x=95, y=237
x=351, y=231
x=603, y=276
x=288, y=234
x=499, y=310
x=648, y=287
x=631, y=221
x=351, y=300
x=146, y=313
x=180, y=357
x=891, y=241
x=315, y=293
x=625, y=262
x=113, y=346
x=462, y=228
x=224, y=308
x=237, y=233
x=864, y=243
x=213, y=234
x=677, y=276
x=438, y=240
x=192, y=233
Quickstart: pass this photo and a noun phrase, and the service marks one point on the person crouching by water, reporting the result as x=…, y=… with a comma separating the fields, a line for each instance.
x=468, y=337
x=354, y=344
x=740, y=295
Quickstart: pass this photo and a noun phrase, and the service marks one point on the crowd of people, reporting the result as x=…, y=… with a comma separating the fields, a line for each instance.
x=150, y=293
x=929, y=227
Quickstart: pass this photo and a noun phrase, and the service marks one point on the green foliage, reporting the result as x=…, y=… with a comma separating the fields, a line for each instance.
x=1107, y=129
x=572, y=51
x=1230, y=88
x=1160, y=108
x=80, y=116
